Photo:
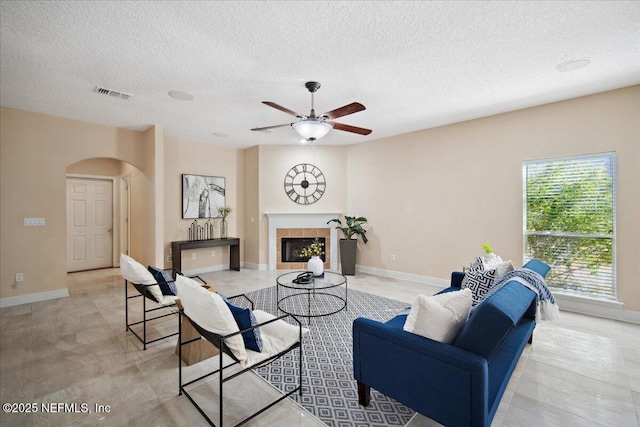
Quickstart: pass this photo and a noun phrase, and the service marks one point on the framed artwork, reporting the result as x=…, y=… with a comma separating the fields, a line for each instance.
x=202, y=196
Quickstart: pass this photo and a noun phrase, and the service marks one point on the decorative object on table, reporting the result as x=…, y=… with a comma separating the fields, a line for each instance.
x=305, y=184
x=313, y=127
x=303, y=278
x=348, y=245
x=201, y=232
x=224, y=212
x=314, y=251
x=202, y=195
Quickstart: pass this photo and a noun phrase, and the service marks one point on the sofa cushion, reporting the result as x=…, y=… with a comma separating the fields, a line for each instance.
x=492, y=320
x=439, y=317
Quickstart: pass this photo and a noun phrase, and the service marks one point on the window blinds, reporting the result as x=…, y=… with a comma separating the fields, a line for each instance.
x=569, y=215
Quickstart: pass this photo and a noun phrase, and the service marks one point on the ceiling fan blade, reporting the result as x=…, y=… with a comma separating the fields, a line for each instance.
x=353, y=129
x=281, y=108
x=271, y=127
x=354, y=107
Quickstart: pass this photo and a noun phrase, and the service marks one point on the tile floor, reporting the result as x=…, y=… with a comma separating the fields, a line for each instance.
x=580, y=371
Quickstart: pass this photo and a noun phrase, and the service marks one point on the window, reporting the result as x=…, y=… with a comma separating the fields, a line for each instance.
x=569, y=222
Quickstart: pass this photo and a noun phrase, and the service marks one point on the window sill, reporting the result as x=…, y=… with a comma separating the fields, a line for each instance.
x=596, y=307
x=570, y=297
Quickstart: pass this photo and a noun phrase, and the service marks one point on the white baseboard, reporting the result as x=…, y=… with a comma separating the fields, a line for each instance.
x=613, y=310
x=425, y=280
x=211, y=269
x=29, y=298
x=254, y=266
x=208, y=269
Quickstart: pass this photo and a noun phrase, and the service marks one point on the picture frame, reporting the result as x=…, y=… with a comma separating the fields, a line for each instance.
x=202, y=195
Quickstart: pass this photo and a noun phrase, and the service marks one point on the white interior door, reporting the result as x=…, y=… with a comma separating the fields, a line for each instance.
x=89, y=224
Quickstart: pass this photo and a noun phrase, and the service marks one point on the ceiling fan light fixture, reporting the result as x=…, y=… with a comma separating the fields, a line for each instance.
x=312, y=128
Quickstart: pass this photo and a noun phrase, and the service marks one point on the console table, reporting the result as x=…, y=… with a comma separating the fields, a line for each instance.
x=232, y=242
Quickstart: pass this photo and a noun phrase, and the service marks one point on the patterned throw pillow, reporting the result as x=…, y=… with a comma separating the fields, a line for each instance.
x=246, y=319
x=479, y=282
x=478, y=265
x=164, y=279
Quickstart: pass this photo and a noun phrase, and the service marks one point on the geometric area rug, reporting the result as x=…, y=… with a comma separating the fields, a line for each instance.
x=328, y=388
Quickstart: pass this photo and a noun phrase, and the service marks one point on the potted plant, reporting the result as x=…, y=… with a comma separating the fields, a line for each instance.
x=349, y=244
x=314, y=251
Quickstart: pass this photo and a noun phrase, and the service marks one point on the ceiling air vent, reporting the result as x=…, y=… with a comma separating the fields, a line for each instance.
x=114, y=93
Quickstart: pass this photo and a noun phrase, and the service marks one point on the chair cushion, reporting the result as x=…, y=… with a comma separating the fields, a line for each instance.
x=439, y=317
x=165, y=281
x=135, y=272
x=245, y=319
x=276, y=337
x=210, y=312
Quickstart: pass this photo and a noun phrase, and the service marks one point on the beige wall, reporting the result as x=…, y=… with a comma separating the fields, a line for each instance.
x=97, y=167
x=35, y=152
x=433, y=197
x=275, y=162
x=185, y=156
x=252, y=204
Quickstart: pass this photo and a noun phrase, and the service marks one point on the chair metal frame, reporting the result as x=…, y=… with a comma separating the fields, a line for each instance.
x=219, y=342
x=145, y=293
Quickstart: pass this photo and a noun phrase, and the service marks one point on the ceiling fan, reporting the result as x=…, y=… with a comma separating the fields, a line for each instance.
x=314, y=126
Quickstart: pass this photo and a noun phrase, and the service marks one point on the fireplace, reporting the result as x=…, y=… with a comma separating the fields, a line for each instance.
x=301, y=225
x=291, y=248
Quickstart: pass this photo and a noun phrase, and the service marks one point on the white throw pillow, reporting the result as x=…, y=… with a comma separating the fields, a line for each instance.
x=135, y=272
x=210, y=312
x=503, y=268
x=439, y=317
x=493, y=261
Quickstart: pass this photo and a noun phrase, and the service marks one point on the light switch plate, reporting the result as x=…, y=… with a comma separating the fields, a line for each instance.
x=34, y=222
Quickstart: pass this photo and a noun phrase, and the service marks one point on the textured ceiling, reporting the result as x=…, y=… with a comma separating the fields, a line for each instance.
x=414, y=65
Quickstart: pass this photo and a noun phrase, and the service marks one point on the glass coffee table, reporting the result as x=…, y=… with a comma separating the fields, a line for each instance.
x=322, y=296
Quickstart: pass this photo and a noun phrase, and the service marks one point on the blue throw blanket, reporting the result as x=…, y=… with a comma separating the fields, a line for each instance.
x=547, y=309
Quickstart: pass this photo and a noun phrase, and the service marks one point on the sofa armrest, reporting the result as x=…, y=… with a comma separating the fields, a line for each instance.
x=441, y=381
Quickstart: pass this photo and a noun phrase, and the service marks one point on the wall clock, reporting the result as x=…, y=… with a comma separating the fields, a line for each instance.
x=305, y=184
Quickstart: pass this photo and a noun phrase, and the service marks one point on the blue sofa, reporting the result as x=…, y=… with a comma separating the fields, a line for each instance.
x=457, y=384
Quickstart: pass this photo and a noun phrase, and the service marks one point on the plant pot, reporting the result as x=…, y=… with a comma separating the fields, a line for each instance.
x=348, y=249
x=315, y=265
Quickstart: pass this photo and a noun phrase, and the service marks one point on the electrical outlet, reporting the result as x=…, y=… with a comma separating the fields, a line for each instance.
x=193, y=256
x=393, y=258
x=19, y=277
x=213, y=253
x=169, y=258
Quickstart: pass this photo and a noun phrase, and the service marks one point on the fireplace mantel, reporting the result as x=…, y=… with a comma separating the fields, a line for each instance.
x=301, y=220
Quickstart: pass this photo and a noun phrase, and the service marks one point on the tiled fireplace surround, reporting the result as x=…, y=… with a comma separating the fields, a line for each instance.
x=301, y=225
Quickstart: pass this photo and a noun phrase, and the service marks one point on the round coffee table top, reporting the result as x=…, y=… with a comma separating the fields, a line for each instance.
x=329, y=279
